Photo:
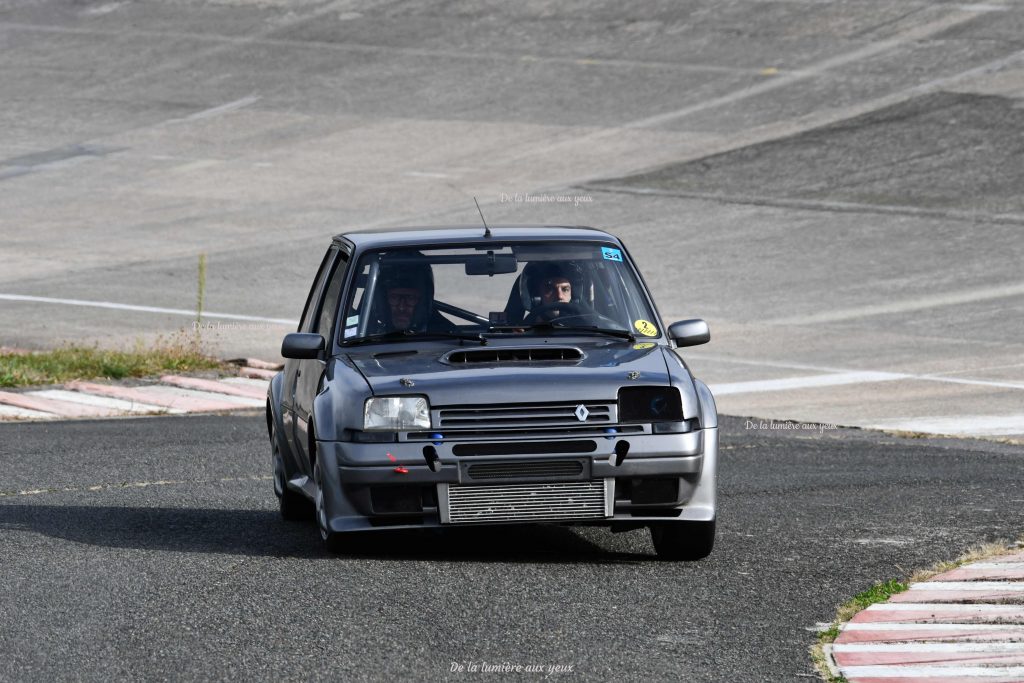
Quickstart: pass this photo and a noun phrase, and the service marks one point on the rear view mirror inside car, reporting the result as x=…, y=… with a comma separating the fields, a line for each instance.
x=491, y=264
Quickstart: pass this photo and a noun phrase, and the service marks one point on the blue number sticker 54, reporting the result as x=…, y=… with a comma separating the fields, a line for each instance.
x=611, y=254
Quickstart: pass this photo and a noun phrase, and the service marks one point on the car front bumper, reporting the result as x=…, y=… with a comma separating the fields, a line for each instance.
x=394, y=485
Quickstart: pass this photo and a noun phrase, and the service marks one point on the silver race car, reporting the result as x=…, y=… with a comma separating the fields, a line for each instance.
x=505, y=375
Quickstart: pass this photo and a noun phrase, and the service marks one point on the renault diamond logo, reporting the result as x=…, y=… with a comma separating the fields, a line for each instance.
x=582, y=413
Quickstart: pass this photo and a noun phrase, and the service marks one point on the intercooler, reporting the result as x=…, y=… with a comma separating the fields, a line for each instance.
x=539, y=502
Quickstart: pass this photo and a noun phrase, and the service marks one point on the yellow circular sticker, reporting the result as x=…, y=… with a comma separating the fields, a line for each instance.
x=643, y=345
x=646, y=328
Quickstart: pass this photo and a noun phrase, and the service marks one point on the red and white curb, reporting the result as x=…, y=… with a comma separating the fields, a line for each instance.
x=966, y=624
x=174, y=395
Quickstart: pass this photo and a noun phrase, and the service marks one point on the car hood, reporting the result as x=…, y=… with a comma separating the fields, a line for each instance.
x=598, y=375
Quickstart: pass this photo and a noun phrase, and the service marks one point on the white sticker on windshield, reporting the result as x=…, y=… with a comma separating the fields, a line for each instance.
x=354, y=320
x=350, y=332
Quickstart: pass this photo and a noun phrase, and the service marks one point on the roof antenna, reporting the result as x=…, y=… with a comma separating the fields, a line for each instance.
x=487, y=231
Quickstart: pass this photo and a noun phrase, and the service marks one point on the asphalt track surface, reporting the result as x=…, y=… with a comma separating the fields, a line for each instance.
x=152, y=549
x=832, y=185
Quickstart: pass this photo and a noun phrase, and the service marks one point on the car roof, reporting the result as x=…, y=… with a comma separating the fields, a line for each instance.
x=464, y=234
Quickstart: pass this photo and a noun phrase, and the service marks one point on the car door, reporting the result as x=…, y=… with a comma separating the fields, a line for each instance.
x=310, y=371
x=291, y=365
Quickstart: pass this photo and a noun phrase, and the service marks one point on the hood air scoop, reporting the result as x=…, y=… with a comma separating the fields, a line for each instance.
x=565, y=354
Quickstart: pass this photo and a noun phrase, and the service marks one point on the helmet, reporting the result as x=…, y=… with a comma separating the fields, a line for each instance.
x=535, y=274
x=405, y=275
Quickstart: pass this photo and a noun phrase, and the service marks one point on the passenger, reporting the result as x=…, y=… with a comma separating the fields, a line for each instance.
x=407, y=291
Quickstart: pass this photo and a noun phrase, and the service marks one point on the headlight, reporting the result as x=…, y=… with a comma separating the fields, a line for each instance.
x=650, y=404
x=396, y=413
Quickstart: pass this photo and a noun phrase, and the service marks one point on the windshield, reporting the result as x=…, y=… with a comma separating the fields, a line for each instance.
x=510, y=289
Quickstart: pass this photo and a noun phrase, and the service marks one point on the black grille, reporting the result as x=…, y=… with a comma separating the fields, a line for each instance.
x=534, y=433
x=526, y=415
x=523, y=470
x=515, y=355
x=523, y=448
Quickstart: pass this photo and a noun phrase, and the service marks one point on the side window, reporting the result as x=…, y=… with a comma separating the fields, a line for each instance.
x=329, y=306
x=309, y=312
x=358, y=309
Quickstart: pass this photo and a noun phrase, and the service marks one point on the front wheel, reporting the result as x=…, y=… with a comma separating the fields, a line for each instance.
x=686, y=541
x=332, y=540
x=294, y=507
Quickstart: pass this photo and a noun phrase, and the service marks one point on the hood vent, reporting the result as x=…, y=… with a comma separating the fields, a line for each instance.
x=515, y=355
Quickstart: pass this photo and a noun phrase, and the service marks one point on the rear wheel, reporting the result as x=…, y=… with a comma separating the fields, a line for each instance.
x=294, y=506
x=332, y=540
x=686, y=541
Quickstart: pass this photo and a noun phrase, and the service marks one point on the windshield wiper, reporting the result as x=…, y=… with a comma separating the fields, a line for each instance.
x=549, y=327
x=407, y=335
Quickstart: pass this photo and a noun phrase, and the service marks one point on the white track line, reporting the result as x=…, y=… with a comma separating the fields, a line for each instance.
x=128, y=485
x=1002, y=586
x=224, y=108
x=964, y=648
x=808, y=381
x=164, y=390
x=915, y=34
x=102, y=401
x=23, y=413
x=736, y=387
x=945, y=672
x=991, y=425
x=144, y=309
x=944, y=607
x=248, y=382
x=938, y=628
x=993, y=565
x=907, y=305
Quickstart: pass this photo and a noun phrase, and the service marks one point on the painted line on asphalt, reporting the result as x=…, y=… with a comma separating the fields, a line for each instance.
x=967, y=628
x=965, y=425
x=12, y=413
x=248, y=382
x=945, y=608
x=183, y=401
x=222, y=109
x=966, y=586
x=57, y=408
x=843, y=371
x=870, y=50
x=830, y=206
x=929, y=647
x=941, y=613
x=145, y=309
x=905, y=306
x=129, y=485
x=994, y=565
x=185, y=396
x=951, y=673
x=809, y=381
x=1002, y=572
x=101, y=401
x=216, y=387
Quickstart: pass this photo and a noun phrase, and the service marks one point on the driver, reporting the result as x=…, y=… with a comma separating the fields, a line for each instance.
x=549, y=285
x=556, y=289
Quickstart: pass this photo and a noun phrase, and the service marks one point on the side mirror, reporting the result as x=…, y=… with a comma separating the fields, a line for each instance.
x=301, y=345
x=689, y=332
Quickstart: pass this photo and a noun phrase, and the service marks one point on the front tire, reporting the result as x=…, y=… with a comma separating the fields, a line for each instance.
x=332, y=540
x=294, y=507
x=687, y=541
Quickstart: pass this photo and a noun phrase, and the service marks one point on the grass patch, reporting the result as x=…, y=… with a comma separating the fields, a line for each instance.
x=179, y=353
x=880, y=592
